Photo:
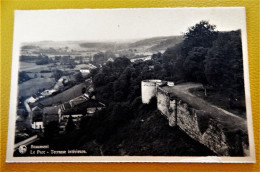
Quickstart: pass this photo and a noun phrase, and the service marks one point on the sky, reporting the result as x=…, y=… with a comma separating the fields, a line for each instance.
x=119, y=24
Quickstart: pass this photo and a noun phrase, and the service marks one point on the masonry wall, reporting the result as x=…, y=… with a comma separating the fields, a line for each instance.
x=166, y=106
x=200, y=126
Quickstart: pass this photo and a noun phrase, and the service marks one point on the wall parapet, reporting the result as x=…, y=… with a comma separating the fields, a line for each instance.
x=201, y=125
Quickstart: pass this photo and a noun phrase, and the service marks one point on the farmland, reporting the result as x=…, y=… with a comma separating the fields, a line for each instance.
x=32, y=67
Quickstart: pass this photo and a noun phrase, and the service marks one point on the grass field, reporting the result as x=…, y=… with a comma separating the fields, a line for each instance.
x=30, y=87
x=63, y=96
x=221, y=100
x=32, y=67
x=39, y=75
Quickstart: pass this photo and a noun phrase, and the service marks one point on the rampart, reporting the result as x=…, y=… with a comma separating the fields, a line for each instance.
x=200, y=126
x=223, y=138
x=167, y=106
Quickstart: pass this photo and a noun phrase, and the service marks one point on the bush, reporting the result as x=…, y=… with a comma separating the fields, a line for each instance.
x=153, y=103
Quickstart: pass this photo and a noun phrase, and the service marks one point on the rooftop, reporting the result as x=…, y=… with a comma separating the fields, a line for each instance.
x=82, y=108
x=51, y=110
x=78, y=100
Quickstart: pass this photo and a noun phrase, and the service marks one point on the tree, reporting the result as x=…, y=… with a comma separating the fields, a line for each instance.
x=153, y=103
x=157, y=68
x=224, y=63
x=201, y=35
x=57, y=74
x=83, y=90
x=109, y=54
x=51, y=130
x=194, y=66
x=79, y=77
x=121, y=63
x=172, y=61
x=23, y=76
x=99, y=58
x=93, y=72
x=98, y=80
x=70, y=125
x=156, y=56
x=42, y=60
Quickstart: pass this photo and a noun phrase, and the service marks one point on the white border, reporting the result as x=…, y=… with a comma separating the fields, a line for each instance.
x=206, y=159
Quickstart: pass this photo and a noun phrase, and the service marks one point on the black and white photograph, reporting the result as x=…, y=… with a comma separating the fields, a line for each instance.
x=130, y=85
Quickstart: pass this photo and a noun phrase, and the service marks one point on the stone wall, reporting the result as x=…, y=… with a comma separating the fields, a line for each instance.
x=200, y=126
x=166, y=106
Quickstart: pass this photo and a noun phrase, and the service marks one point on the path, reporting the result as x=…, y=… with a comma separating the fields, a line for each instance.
x=28, y=110
x=227, y=119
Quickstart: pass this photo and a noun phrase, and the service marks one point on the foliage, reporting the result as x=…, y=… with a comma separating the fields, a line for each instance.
x=130, y=127
x=201, y=35
x=51, y=130
x=57, y=74
x=79, y=78
x=42, y=60
x=224, y=63
x=101, y=58
x=70, y=125
x=153, y=103
x=208, y=57
x=23, y=77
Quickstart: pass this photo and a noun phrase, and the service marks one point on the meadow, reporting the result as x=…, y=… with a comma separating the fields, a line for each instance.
x=64, y=96
x=32, y=67
x=32, y=86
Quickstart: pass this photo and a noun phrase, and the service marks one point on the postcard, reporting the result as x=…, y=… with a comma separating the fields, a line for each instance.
x=130, y=85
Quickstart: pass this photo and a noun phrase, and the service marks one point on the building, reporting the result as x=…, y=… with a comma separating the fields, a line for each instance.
x=149, y=89
x=50, y=114
x=61, y=82
x=37, y=125
x=37, y=118
x=77, y=108
x=84, y=71
x=48, y=92
x=65, y=60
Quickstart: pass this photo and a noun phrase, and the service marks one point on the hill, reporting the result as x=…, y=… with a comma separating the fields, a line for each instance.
x=149, y=44
x=157, y=43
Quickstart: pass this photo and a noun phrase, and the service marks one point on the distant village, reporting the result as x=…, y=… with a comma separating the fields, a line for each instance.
x=70, y=92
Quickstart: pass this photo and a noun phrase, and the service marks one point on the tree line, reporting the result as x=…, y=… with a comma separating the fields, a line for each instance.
x=205, y=56
x=209, y=57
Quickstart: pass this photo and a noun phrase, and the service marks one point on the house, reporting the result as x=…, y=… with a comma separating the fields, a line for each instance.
x=74, y=102
x=37, y=122
x=77, y=108
x=65, y=60
x=37, y=125
x=50, y=114
x=84, y=71
x=48, y=92
x=110, y=60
